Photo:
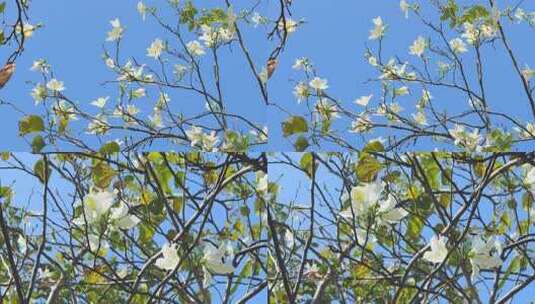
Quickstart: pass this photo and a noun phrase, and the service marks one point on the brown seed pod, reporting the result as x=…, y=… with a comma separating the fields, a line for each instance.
x=5, y=73
x=271, y=66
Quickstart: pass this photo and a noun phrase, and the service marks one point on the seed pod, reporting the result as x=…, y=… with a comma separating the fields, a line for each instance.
x=5, y=73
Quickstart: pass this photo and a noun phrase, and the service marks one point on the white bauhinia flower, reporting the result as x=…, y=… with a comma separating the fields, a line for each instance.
x=55, y=85
x=100, y=102
x=97, y=244
x=388, y=213
x=169, y=259
x=404, y=6
x=318, y=83
x=195, y=135
x=364, y=100
x=39, y=93
x=379, y=29
x=291, y=25
x=419, y=118
x=458, y=46
x=438, y=250
x=363, y=198
x=142, y=10
x=156, y=48
x=484, y=255
x=418, y=46
x=122, y=219
x=217, y=260
x=529, y=180
x=261, y=182
x=95, y=204
x=116, y=31
x=195, y=48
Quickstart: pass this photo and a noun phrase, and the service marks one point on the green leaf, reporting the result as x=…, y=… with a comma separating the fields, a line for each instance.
x=301, y=143
x=102, y=174
x=415, y=227
x=38, y=143
x=2, y=7
x=374, y=146
x=111, y=147
x=41, y=170
x=367, y=168
x=187, y=15
x=31, y=123
x=307, y=163
x=449, y=13
x=293, y=125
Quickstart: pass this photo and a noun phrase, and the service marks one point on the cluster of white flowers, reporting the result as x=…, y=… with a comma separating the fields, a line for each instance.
x=470, y=140
x=392, y=71
x=207, y=142
x=212, y=36
x=366, y=198
x=474, y=33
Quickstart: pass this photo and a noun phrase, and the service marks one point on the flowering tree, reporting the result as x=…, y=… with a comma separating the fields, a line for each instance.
x=439, y=91
x=97, y=214
x=412, y=228
x=133, y=228
x=177, y=95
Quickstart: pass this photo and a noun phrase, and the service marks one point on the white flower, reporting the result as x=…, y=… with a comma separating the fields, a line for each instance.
x=458, y=46
x=364, y=100
x=195, y=48
x=301, y=92
x=484, y=255
x=215, y=259
x=471, y=33
x=142, y=10
x=404, y=6
x=364, y=198
x=379, y=30
x=97, y=244
x=258, y=19
x=301, y=64
x=210, y=141
x=138, y=93
x=109, y=63
x=169, y=259
x=420, y=118
x=418, y=46
x=388, y=212
x=39, y=93
x=28, y=29
x=95, y=204
x=121, y=217
x=401, y=91
x=438, y=250
x=291, y=25
x=156, y=48
x=195, y=135
x=372, y=60
x=528, y=73
x=530, y=178
x=318, y=83
x=55, y=85
x=116, y=32
x=100, y=102
x=40, y=65
x=261, y=182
